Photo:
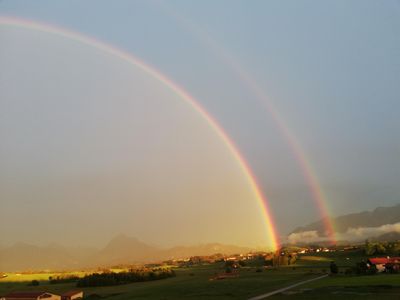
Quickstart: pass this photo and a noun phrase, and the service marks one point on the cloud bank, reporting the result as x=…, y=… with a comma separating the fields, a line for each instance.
x=352, y=234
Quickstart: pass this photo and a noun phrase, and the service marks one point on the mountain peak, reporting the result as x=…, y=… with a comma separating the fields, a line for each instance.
x=122, y=238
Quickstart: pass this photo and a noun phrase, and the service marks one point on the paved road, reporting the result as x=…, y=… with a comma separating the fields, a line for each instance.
x=263, y=296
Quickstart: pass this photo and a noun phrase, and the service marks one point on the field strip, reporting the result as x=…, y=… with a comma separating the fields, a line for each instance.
x=263, y=296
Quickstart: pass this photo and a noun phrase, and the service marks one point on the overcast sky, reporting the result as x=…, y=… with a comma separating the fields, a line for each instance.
x=331, y=69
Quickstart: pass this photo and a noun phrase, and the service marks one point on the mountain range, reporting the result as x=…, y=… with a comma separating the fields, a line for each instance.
x=375, y=218
x=381, y=224
x=120, y=250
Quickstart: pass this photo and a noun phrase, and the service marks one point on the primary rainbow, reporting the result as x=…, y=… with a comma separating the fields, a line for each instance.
x=261, y=198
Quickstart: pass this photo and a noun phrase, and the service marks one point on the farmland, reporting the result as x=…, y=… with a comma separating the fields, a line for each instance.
x=194, y=282
x=190, y=282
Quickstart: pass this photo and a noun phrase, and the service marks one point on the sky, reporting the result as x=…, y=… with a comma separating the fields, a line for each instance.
x=329, y=69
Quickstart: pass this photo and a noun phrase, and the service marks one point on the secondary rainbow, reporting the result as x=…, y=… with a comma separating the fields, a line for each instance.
x=262, y=200
x=304, y=163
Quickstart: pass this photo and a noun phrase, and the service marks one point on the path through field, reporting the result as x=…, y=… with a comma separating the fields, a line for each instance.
x=266, y=295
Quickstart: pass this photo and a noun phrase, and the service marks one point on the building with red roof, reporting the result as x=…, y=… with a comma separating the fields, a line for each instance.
x=72, y=295
x=382, y=262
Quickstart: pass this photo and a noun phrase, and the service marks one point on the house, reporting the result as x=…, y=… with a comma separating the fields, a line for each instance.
x=378, y=262
x=31, y=296
x=382, y=262
x=72, y=295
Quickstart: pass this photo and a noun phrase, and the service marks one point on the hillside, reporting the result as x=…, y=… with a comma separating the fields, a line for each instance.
x=378, y=217
x=382, y=223
x=120, y=250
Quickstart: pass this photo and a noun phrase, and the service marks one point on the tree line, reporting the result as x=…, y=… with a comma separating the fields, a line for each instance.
x=380, y=248
x=112, y=278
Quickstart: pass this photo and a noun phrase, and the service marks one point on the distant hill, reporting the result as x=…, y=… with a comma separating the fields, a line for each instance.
x=389, y=236
x=205, y=249
x=378, y=217
x=124, y=249
x=120, y=250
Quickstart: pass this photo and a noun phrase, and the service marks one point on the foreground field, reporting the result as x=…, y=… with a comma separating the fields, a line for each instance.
x=194, y=283
x=383, y=287
x=379, y=286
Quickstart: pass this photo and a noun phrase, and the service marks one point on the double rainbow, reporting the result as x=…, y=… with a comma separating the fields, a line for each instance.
x=299, y=154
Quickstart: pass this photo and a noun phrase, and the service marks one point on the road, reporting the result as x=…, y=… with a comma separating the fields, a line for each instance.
x=266, y=295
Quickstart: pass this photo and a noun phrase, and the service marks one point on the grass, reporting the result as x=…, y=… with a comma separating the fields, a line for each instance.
x=322, y=259
x=193, y=283
x=342, y=293
x=351, y=281
x=379, y=286
x=21, y=277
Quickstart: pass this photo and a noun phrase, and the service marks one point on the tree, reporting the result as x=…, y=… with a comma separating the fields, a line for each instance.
x=228, y=270
x=242, y=263
x=334, y=268
x=396, y=248
x=380, y=248
x=375, y=248
x=292, y=259
x=35, y=282
x=229, y=263
x=369, y=248
x=362, y=268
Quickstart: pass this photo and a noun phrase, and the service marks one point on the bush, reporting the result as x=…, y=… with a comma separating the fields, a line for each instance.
x=63, y=279
x=35, y=282
x=334, y=268
x=362, y=268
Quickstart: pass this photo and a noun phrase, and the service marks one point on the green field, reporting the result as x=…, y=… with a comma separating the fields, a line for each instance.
x=380, y=286
x=195, y=283
x=192, y=283
x=342, y=259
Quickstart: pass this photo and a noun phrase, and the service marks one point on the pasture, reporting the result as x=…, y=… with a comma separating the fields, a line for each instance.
x=194, y=282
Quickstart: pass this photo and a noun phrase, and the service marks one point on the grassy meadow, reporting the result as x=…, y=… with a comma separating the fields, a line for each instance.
x=381, y=286
x=194, y=282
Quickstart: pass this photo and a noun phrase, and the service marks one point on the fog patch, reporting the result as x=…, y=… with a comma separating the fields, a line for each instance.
x=304, y=237
x=351, y=235
x=360, y=233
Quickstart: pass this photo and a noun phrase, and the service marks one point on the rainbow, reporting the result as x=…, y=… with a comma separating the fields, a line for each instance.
x=296, y=149
x=270, y=227
x=304, y=163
